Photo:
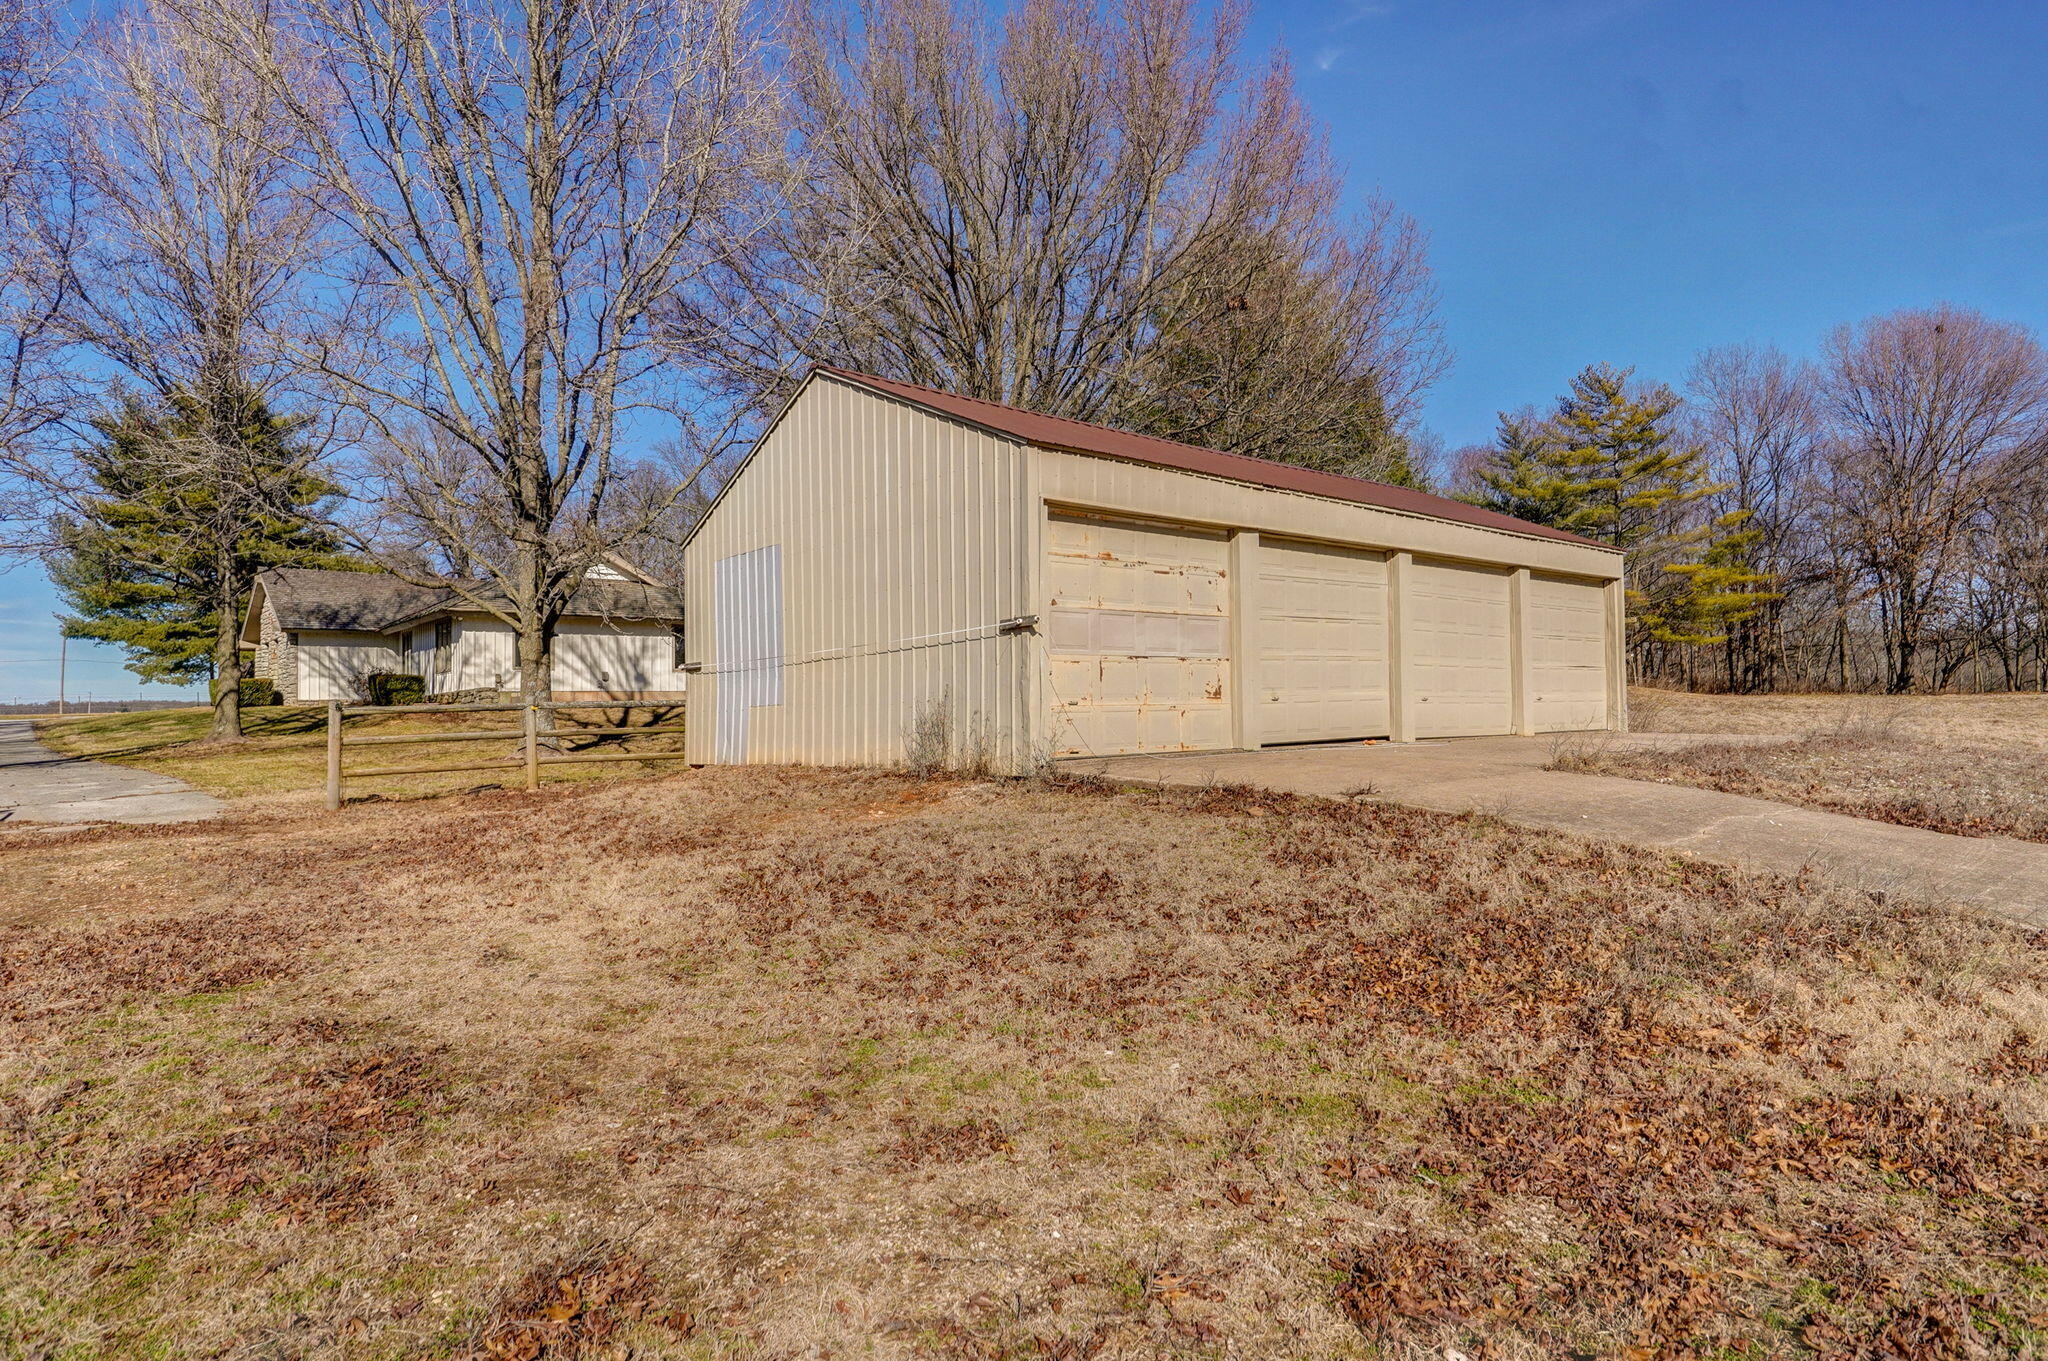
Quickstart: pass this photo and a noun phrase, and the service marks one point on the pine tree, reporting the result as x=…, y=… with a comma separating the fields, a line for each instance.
x=1720, y=590
x=1609, y=464
x=160, y=552
x=1517, y=479
x=1627, y=475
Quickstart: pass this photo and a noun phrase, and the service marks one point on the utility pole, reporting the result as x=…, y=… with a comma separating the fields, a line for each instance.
x=63, y=649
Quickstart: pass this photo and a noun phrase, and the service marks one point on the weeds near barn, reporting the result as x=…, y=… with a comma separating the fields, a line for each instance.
x=770, y=1063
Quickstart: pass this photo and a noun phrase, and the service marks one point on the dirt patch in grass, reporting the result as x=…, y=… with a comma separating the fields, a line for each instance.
x=759, y=1063
x=1880, y=771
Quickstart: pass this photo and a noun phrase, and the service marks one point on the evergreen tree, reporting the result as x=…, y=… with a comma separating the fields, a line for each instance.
x=1720, y=590
x=161, y=550
x=1516, y=478
x=1609, y=464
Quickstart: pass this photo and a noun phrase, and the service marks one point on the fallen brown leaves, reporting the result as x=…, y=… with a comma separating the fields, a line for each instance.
x=1698, y=1196
x=854, y=1065
x=565, y=1309
x=47, y=973
x=919, y=1141
x=305, y=1162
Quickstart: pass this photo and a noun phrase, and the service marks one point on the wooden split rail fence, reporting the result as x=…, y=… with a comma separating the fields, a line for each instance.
x=530, y=734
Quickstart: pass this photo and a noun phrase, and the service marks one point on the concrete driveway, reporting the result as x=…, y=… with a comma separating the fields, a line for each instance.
x=1505, y=776
x=38, y=785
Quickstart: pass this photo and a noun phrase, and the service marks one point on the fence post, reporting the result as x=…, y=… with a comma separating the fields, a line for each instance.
x=532, y=746
x=333, y=755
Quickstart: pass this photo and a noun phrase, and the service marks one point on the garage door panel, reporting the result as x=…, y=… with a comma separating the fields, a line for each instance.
x=1139, y=631
x=1322, y=643
x=1458, y=639
x=1567, y=654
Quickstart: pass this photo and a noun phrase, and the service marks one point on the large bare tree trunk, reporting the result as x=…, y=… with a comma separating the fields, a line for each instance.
x=227, y=666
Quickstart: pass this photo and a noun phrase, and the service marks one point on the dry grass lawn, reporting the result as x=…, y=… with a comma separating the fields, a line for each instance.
x=1973, y=765
x=1988, y=720
x=757, y=1063
x=284, y=756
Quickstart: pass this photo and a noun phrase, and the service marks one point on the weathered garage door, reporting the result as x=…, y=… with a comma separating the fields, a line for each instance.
x=1322, y=643
x=1567, y=654
x=1457, y=639
x=1138, y=626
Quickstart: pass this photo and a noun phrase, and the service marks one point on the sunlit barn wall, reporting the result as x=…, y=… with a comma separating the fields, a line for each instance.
x=905, y=542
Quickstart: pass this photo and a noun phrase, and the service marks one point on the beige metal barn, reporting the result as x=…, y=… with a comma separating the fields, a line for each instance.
x=891, y=560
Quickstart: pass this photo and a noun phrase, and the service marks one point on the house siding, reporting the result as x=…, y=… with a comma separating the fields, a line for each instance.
x=332, y=665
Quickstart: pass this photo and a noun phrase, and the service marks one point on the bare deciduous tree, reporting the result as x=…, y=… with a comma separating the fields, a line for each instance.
x=196, y=234
x=1926, y=407
x=33, y=390
x=1753, y=410
x=1077, y=208
x=523, y=186
x=1315, y=350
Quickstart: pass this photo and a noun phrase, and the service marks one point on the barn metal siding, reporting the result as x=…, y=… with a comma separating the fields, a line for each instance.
x=904, y=541
x=1107, y=485
x=1426, y=686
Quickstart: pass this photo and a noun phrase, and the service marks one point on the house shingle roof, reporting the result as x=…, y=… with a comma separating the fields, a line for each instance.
x=312, y=598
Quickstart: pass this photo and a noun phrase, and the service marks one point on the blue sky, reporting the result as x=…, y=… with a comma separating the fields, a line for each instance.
x=1635, y=180
x=1624, y=180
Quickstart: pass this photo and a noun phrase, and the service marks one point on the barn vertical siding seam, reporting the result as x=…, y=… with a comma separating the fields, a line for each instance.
x=1244, y=639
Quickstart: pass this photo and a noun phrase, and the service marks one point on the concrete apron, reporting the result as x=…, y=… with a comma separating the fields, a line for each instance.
x=39, y=786
x=1504, y=776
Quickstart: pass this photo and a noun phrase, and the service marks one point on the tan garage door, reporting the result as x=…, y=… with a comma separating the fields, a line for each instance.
x=1139, y=631
x=1322, y=643
x=1567, y=654
x=1457, y=640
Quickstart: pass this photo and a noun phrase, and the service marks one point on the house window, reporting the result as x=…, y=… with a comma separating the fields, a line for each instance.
x=444, y=646
x=676, y=636
x=292, y=639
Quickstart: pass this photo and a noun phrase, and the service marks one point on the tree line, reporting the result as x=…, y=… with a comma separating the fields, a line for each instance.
x=1873, y=519
x=477, y=293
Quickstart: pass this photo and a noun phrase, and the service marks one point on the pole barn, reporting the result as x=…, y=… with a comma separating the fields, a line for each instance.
x=893, y=566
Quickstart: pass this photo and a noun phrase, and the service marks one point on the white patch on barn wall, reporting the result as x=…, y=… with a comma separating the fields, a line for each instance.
x=747, y=610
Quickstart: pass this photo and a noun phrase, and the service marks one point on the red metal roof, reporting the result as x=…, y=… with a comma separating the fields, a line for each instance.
x=1084, y=437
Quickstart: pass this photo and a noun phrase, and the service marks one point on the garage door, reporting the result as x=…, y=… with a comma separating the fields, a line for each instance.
x=1139, y=629
x=1457, y=640
x=1322, y=643
x=1567, y=654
